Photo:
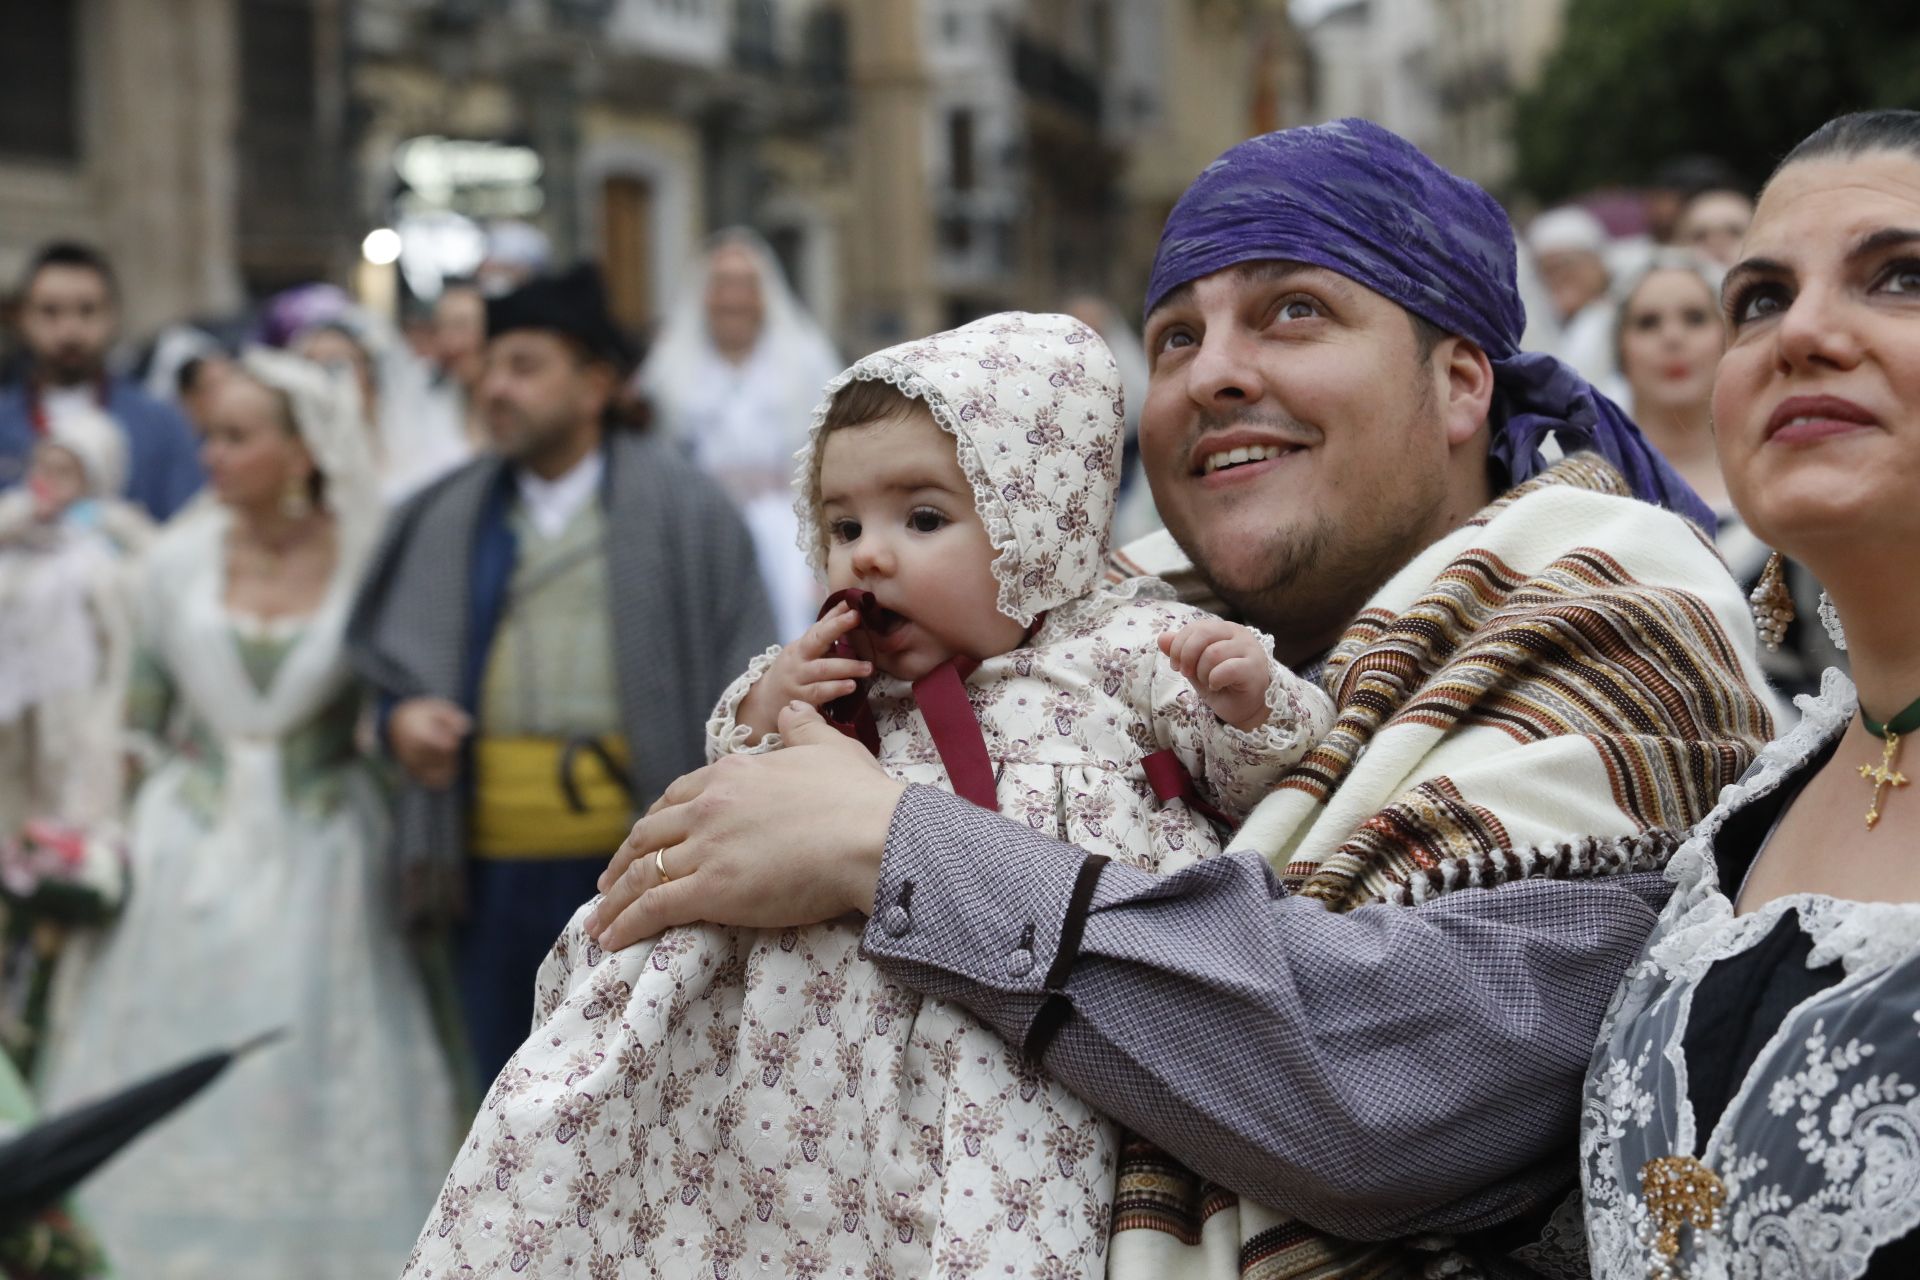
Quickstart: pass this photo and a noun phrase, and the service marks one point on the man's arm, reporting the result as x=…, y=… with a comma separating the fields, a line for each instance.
x=1376, y=1074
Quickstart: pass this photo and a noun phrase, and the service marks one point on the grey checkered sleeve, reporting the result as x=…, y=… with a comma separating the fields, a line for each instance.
x=1383, y=1073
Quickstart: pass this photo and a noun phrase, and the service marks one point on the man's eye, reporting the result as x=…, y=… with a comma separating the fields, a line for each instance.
x=1173, y=339
x=926, y=520
x=1297, y=309
x=844, y=530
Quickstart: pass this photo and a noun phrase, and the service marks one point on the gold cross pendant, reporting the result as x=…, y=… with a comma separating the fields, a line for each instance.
x=1882, y=776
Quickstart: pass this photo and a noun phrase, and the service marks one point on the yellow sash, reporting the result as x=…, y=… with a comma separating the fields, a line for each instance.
x=521, y=810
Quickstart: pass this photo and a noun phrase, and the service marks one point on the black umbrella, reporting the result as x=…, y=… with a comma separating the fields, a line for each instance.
x=47, y=1161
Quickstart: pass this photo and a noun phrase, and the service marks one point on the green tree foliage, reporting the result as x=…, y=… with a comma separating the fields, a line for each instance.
x=1636, y=82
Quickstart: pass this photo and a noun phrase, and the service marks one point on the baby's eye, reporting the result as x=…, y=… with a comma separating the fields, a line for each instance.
x=926, y=520
x=844, y=530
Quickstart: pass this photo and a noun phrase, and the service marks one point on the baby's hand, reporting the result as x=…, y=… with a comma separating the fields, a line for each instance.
x=1228, y=667
x=806, y=672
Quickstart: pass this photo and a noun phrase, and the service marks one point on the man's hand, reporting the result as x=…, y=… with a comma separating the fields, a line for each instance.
x=789, y=838
x=1228, y=667
x=805, y=672
x=426, y=734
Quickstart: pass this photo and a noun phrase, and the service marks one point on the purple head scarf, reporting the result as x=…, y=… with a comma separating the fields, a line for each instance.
x=1357, y=199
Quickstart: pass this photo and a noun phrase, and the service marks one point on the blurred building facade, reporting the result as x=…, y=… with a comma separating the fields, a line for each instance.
x=1375, y=59
x=1485, y=53
x=200, y=143
x=913, y=162
x=1443, y=74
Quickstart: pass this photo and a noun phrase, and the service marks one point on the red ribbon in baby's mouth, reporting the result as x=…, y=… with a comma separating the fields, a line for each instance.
x=867, y=605
x=941, y=695
x=851, y=714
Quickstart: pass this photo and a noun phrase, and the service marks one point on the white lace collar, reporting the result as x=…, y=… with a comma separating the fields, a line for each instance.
x=1701, y=927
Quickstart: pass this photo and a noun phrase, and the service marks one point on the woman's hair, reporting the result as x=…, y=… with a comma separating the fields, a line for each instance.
x=283, y=411
x=1685, y=260
x=1844, y=137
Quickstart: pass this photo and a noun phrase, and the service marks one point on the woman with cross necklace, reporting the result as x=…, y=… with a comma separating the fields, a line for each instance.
x=1752, y=1106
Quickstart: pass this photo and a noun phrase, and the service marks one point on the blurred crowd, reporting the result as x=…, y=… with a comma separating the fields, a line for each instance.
x=329, y=669
x=1628, y=294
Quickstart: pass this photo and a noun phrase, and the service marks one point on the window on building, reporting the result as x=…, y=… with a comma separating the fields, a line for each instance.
x=292, y=162
x=626, y=246
x=753, y=36
x=40, y=80
x=960, y=173
x=825, y=41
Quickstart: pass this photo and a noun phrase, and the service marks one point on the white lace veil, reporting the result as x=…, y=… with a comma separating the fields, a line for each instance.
x=328, y=416
x=792, y=348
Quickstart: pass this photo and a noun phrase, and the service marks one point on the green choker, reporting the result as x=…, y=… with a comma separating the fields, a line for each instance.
x=1884, y=775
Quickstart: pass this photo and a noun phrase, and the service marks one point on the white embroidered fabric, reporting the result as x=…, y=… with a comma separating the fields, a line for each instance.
x=1819, y=1147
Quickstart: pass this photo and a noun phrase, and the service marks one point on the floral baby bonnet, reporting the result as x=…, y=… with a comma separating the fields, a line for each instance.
x=1033, y=403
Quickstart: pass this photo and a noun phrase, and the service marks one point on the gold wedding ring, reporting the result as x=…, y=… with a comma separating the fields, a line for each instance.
x=660, y=864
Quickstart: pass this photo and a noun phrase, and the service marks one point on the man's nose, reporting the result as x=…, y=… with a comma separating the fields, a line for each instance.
x=1223, y=369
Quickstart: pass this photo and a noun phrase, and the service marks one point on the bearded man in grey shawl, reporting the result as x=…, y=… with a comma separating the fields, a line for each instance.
x=547, y=628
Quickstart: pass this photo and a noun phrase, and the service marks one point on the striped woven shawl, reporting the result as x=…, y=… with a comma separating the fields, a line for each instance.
x=1559, y=688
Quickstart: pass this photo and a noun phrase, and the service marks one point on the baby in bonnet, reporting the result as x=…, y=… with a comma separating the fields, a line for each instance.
x=743, y=1102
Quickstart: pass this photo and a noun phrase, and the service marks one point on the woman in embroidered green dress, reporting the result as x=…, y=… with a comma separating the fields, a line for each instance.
x=260, y=898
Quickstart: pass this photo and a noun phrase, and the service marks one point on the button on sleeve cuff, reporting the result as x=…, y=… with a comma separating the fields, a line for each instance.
x=978, y=909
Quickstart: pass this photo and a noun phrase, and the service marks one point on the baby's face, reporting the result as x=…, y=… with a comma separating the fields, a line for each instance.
x=901, y=523
x=56, y=479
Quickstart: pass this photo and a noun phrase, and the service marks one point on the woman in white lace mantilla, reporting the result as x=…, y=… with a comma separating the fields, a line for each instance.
x=259, y=892
x=1753, y=1107
x=734, y=376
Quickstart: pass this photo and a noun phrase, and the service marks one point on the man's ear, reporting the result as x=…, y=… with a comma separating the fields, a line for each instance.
x=603, y=380
x=1466, y=388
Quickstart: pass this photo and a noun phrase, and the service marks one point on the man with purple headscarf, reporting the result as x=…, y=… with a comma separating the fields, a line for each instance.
x=1364, y=1029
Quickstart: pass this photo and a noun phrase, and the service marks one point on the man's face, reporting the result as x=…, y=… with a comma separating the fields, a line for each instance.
x=67, y=319
x=1293, y=441
x=538, y=393
x=460, y=335
x=1573, y=278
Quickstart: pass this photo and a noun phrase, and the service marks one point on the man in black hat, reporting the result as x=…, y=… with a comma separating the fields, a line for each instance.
x=548, y=628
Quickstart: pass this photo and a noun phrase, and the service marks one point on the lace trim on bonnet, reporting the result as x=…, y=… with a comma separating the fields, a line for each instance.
x=1018, y=598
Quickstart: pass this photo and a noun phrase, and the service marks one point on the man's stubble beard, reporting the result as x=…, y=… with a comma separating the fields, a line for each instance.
x=71, y=370
x=538, y=441
x=1316, y=581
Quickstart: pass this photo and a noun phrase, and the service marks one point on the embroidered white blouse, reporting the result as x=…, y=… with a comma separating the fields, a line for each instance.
x=1818, y=1148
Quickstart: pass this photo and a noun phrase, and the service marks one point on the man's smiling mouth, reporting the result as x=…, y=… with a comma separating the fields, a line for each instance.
x=1227, y=459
